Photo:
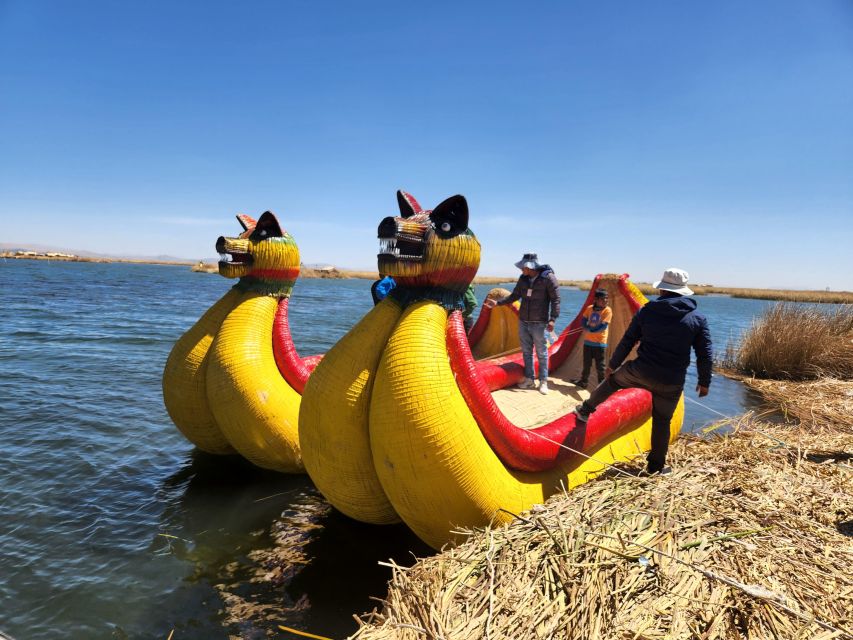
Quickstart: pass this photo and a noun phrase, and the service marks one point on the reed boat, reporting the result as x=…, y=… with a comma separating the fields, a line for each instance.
x=233, y=382
x=399, y=421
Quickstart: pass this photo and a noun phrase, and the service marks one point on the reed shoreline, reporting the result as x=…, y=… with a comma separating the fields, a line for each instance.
x=833, y=297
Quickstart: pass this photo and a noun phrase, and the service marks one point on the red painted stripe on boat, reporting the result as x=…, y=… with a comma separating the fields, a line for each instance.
x=292, y=368
x=479, y=328
x=537, y=449
x=623, y=287
x=451, y=278
x=291, y=273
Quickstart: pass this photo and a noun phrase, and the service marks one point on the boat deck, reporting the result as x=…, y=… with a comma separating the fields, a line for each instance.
x=527, y=408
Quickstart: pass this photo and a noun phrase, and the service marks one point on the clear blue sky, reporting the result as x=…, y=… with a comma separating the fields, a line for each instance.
x=617, y=136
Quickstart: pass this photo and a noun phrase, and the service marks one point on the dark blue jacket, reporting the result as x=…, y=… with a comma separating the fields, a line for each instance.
x=666, y=329
x=543, y=303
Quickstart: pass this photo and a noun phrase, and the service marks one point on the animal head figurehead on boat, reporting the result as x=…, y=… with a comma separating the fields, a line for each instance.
x=264, y=257
x=433, y=252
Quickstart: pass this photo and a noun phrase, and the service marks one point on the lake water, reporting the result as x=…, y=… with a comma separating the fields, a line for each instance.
x=112, y=526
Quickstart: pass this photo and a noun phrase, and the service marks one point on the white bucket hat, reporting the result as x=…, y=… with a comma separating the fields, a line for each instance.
x=529, y=260
x=674, y=280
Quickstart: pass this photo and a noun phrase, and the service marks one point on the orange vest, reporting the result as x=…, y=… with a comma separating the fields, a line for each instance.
x=594, y=319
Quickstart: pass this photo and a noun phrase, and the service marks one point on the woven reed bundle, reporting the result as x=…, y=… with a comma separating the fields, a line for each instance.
x=750, y=537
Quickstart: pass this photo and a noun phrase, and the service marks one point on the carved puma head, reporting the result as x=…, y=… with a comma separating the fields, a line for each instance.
x=429, y=248
x=264, y=256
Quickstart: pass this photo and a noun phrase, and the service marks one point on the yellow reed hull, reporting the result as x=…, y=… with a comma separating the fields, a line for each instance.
x=184, y=385
x=333, y=421
x=501, y=334
x=256, y=409
x=433, y=463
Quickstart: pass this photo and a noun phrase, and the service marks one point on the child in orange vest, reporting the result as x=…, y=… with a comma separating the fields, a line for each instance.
x=596, y=320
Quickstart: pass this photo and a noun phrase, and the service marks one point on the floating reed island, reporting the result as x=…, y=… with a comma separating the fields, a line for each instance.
x=751, y=535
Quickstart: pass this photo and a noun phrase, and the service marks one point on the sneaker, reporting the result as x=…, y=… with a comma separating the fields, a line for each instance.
x=543, y=388
x=527, y=383
x=581, y=413
x=579, y=383
x=654, y=470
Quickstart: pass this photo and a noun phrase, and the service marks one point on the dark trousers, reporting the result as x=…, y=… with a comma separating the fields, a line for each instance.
x=590, y=354
x=664, y=400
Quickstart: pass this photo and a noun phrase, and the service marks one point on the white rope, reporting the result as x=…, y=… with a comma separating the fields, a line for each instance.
x=705, y=406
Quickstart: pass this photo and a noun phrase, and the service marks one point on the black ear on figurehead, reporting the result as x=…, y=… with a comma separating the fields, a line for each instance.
x=450, y=218
x=267, y=227
x=408, y=205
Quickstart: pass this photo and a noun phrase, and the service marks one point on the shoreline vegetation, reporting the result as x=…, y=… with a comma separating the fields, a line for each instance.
x=330, y=272
x=750, y=536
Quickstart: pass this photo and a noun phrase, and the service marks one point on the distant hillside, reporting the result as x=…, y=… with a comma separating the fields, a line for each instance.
x=42, y=248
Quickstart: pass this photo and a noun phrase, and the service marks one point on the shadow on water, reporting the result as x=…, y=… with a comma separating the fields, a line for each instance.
x=262, y=549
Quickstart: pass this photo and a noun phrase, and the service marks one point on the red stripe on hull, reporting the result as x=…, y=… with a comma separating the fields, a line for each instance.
x=454, y=278
x=292, y=368
x=479, y=328
x=275, y=274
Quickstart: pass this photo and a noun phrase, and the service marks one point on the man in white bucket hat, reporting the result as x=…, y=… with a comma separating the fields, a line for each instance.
x=539, y=292
x=667, y=329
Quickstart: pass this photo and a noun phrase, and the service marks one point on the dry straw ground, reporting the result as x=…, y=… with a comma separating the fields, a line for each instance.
x=750, y=537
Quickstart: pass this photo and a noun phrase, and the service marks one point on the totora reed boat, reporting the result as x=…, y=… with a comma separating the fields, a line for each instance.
x=233, y=382
x=399, y=421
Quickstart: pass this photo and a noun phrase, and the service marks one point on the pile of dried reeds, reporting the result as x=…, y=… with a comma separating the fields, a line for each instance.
x=796, y=342
x=750, y=537
x=826, y=401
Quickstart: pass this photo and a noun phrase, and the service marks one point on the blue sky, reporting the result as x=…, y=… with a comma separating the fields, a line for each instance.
x=614, y=136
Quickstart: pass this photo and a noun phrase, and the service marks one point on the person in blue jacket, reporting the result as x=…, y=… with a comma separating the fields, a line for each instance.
x=666, y=328
x=381, y=288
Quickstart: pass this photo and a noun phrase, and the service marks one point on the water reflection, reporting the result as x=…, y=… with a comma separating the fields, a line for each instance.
x=264, y=549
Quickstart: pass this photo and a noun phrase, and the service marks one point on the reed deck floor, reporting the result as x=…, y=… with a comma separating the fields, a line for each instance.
x=527, y=408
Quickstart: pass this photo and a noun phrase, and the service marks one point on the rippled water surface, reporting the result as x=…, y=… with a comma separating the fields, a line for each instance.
x=111, y=525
